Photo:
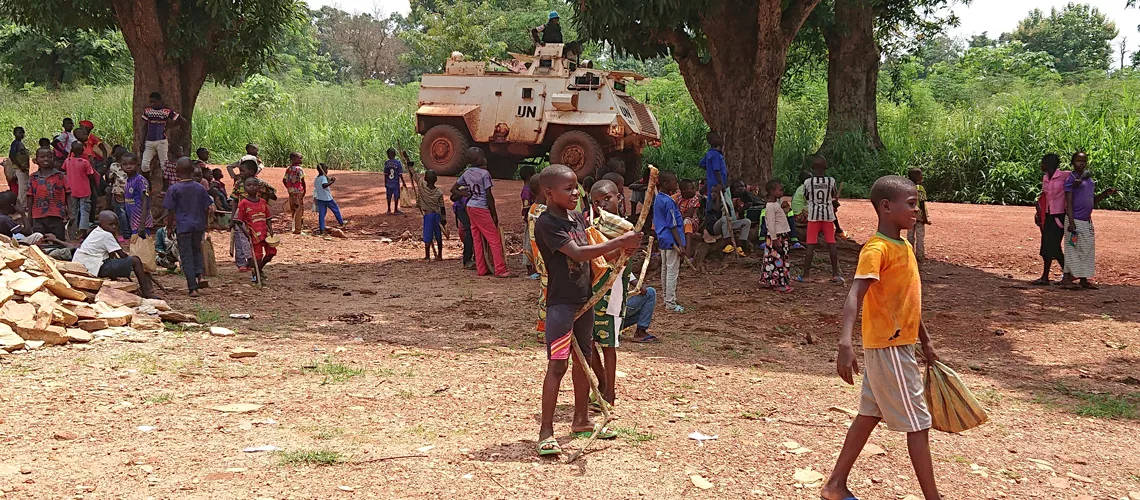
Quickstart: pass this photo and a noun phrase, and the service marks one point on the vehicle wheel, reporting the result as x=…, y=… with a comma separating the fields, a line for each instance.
x=579, y=151
x=443, y=149
x=502, y=167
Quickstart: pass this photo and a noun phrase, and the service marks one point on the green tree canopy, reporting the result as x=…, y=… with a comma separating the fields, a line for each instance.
x=37, y=56
x=1078, y=37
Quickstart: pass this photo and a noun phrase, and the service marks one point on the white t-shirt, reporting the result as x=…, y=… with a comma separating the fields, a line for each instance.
x=95, y=250
x=775, y=219
x=818, y=191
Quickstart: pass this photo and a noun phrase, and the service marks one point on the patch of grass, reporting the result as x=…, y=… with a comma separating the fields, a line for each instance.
x=406, y=394
x=633, y=435
x=1126, y=406
x=207, y=315
x=989, y=397
x=311, y=457
x=328, y=433
x=158, y=399
x=753, y=415
x=145, y=363
x=333, y=372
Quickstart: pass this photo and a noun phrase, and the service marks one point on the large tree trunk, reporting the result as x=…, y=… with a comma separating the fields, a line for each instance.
x=852, y=76
x=737, y=88
x=179, y=82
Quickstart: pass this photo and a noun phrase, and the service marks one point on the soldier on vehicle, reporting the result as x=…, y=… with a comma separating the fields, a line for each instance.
x=551, y=31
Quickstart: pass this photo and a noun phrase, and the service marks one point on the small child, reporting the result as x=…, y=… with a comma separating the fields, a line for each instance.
x=775, y=273
x=47, y=197
x=323, y=198
x=79, y=174
x=526, y=172
x=170, y=167
x=670, y=226
x=393, y=180
x=820, y=191
x=203, y=155
x=188, y=206
x=689, y=201
x=463, y=222
x=18, y=181
x=430, y=201
x=253, y=213
x=136, y=199
x=218, y=190
x=917, y=235
x=294, y=181
x=888, y=287
x=561, y=236
x=531, y=248
x=619, y=181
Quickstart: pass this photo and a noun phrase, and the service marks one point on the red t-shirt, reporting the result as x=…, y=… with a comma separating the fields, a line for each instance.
x=47, y=195
x=79, y=173
x=256, y=216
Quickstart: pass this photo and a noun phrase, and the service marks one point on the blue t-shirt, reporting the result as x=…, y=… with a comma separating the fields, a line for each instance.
x=716, y=173
x=393, y=169
x=320, y=192
x=666, y=216
x=189, y=201
x=478, y=180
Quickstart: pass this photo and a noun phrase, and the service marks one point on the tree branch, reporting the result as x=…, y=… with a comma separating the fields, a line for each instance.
x=793, y=17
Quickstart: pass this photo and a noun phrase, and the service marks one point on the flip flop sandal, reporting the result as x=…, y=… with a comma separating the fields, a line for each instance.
x=605, y=433
x=549, y=446
x=649, y=339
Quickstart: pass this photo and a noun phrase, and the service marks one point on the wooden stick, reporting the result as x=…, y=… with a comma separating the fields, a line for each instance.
x=644, y=268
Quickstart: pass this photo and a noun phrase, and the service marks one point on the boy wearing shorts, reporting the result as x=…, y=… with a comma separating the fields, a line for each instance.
x=820, y=191
x=560, y=234
x=888, y=287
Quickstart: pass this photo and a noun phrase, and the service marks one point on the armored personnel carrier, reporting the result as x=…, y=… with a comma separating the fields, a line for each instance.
x=530, y=107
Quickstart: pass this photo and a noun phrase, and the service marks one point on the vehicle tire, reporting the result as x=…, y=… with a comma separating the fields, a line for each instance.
x=443, y=149
x=579, y=151
x=502, y=167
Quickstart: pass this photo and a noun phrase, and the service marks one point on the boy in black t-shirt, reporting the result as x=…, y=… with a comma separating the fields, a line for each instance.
x=560, y=234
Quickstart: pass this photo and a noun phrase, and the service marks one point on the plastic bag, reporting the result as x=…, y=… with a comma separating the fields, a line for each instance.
x=952, y=406
x=143, y=248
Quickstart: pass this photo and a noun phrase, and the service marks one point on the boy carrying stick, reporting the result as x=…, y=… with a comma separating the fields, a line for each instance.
x=888, y=287
x=560, y=233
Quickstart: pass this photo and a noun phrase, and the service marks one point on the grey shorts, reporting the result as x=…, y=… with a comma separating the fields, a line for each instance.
x=893, y=389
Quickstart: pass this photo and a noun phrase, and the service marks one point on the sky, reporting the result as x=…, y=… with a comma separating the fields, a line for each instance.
x=992, y=16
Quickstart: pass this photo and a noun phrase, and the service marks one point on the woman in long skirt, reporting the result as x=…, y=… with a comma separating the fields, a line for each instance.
x=1080, y=237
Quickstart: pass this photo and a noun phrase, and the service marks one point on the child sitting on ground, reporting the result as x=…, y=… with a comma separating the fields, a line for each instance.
x=888, y=287
x=917, y=236
x=218, y=190
x=775, y=273
x=669, y=225
x=253, y=213
x=430, y=201
x=294, y=181
x=393, y=180
x=561, y=236
x=689, y=202
x=820, y=191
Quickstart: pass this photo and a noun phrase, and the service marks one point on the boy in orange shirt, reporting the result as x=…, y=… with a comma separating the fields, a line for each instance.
x=888, y=286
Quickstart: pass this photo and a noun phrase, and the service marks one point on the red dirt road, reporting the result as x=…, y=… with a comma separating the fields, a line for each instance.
x=421, y=380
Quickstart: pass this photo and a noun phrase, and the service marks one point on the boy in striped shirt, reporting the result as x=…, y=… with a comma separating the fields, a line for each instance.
x=888, y=287
x=821, y=191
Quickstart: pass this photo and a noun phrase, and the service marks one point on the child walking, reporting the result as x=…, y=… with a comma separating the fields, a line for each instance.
x=775, y=273
x=393, y=180
x=323, y=198
x=670, y=227
x=430, y=201
x=917, y=236
x=820, y=191
x=560, y=233
x=253, y=213
x=189, y=203
x=888, y=288
x=294, y=181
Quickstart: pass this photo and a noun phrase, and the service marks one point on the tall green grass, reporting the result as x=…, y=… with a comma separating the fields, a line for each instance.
x=984, y=151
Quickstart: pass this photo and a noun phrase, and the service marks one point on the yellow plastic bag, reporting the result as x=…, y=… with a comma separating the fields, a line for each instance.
x=143, y=248
x=952, y=406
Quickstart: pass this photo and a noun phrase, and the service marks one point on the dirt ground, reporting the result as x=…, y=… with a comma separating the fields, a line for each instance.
x=422, y=380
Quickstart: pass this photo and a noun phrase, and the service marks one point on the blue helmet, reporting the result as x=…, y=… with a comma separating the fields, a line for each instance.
x=553, y=14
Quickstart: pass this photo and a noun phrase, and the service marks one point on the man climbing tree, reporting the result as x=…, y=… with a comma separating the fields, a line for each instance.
x=175, y=44
x=731, y=53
